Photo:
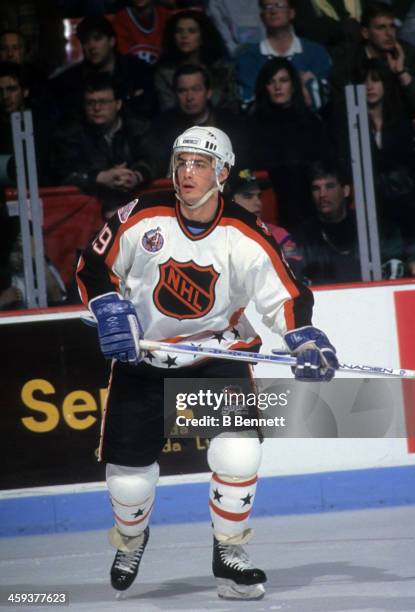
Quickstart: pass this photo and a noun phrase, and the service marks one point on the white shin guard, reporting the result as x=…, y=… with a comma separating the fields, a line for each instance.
x=132, y=492
x=234, y=462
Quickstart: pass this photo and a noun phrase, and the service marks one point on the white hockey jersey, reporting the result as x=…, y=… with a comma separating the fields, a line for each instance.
x=194, y=287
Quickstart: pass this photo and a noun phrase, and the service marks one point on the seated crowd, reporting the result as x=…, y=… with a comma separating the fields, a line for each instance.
x=270, y=73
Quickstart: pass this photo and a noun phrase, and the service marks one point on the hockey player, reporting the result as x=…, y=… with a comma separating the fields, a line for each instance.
x=174, y=266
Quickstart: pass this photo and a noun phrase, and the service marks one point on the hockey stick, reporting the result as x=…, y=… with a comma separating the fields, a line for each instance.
x=277, y=358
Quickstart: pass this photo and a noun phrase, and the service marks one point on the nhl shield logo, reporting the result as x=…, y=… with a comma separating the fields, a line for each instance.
x=153, y=240
x=185, y=290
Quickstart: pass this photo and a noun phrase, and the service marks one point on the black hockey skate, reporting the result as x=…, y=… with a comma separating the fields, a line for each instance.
x=235, y=575
x=126, y=564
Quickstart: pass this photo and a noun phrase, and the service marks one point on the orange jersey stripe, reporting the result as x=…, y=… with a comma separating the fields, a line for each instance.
x=82, y=288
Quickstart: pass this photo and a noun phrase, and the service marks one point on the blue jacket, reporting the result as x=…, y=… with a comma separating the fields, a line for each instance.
x=314, y=58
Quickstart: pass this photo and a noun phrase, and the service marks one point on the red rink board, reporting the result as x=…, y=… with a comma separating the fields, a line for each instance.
x=405, y=322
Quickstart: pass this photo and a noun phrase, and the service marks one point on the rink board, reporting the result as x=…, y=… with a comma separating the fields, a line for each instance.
x=185, y=503
x=368, y=324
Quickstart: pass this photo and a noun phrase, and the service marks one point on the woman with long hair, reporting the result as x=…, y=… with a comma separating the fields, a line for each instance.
x=386, y=111
x=191, y=38
x=287, y=137
x=392, y=138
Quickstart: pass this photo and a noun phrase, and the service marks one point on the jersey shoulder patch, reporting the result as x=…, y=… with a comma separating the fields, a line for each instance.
x=147, y=201
x=125, y=211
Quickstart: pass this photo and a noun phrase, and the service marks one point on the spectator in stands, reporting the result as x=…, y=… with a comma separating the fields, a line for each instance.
x=238, y=22
x=327, y=239
x=106, y=153
x=329, y=22
x=379, y=41
x=335, y=23
x=22, y=15
x=191, y=38
x=246, y=190
x=393, y=154
x=42, y=27
x=14, y=295
x=133, y=77
x=310, y=59
x=13, y=49
x=286, y=137
x=14, y=97
x=193, y=92
x=139, y=29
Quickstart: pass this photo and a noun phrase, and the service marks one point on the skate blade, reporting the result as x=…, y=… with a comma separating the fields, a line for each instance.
x=228, y=589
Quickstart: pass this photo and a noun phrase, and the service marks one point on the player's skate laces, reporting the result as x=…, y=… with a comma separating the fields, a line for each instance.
x=236, y=577
x=126, y=564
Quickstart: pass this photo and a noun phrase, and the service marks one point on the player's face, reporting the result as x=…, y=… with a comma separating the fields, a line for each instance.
x=12, y=95
x=195, y=175
x=11, y=48
x=374, y=90
x=381, y=33
x=192, y=94
x=280, y=88
x=187, y=36
x=276, y=13
x=329, y=197
x=98, y=48
x=250, y=200
x=101, y=107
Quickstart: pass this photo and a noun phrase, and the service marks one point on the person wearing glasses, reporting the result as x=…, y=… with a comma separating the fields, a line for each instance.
x=107, y=152
x=133, y=76
x=310, y=59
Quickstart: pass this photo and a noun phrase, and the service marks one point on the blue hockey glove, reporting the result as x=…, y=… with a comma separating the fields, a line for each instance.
x=316, y=357
x=119, y=329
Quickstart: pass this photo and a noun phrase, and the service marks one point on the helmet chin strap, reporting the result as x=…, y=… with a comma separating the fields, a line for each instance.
x=205, y=197
x=200, y=202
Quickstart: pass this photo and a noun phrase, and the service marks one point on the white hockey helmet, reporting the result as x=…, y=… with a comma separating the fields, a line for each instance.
x=206, y=141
